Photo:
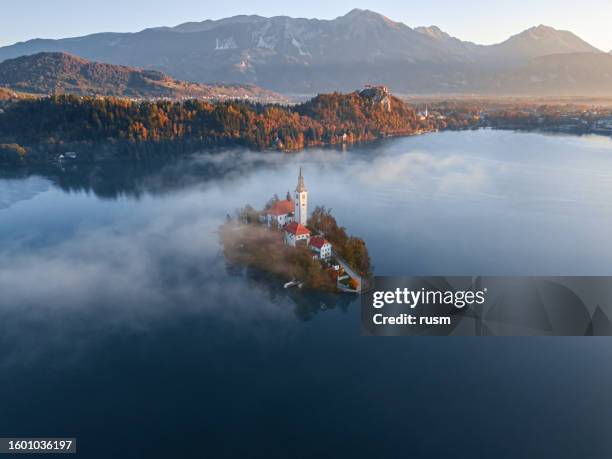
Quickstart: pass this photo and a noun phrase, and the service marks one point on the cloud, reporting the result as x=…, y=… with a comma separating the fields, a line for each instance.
x=13, y=191
x=427, y=173
x=131, y=275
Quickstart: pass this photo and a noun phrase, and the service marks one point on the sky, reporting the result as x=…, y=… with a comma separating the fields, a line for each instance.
x=480, y=21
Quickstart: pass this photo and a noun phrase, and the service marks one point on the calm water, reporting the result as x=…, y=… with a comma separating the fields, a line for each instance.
x=121, y=325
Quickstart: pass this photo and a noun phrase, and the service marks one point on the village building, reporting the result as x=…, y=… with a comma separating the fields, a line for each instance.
x=424, y=115
x=283, y=212
x=321, y=247
x=280, y=213
x=296, y=234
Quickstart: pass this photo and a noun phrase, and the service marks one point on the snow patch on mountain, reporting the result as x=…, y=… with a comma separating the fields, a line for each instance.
x=225, y=43
x=299, y=47
x=263, y=43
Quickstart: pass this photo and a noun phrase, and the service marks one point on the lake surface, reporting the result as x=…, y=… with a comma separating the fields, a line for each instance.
x=121, y=325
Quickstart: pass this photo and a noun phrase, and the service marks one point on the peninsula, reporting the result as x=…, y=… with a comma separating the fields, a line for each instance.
x=107, y=128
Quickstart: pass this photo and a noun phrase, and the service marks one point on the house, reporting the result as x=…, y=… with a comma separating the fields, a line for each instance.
x=280, y=213
x=296, y=234
x=321, y=247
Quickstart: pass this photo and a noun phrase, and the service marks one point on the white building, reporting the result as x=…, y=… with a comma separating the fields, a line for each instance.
x=280, y=213
x=321, y=247
x=292, y=217
x=296, y=234
x=301, y=201
x=424, y=115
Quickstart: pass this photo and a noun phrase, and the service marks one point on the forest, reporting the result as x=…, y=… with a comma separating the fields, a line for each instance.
x=353, y=249
x=106, y=127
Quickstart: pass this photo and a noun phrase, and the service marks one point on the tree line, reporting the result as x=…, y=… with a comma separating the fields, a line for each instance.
x=140, y=128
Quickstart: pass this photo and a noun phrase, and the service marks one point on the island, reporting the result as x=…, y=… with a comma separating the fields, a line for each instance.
x=301, y=251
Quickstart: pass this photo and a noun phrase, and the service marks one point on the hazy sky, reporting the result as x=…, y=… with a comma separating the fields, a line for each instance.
x=481, y=21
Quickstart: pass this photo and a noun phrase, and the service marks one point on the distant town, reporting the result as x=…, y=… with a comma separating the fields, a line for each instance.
x=573, y=115
x=568, y=119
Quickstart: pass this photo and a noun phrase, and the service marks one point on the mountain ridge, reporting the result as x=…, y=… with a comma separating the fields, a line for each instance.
x=54, y=73
x=298, y=55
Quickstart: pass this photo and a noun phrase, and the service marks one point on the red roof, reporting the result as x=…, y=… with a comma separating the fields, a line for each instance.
x=318, y=242
x=283, y=207
x=296, y=228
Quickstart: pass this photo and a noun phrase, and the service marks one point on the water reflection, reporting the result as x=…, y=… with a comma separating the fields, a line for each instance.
x=115, y=180
x=306, y=304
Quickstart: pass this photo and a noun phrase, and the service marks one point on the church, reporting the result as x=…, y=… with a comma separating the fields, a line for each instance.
x=291, y=215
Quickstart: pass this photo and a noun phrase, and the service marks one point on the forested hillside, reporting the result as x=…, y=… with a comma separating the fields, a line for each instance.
x=48, y=126
x=61, y=73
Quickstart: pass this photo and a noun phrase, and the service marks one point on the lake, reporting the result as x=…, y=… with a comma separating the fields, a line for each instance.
x=121, y=325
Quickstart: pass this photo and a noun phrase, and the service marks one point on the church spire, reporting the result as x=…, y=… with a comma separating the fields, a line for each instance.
x=300, y=186
x=301, y=201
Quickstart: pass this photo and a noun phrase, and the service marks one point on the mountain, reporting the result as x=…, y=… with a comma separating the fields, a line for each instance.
x=311, y=55
x=61, y=73
x=463, y=50
x=586, y=74
x=534, y=42
x=434, y=32
x=541, y=41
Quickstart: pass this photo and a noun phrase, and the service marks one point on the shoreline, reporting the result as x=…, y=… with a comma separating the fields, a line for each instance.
x=111, y=151
x=92, y=158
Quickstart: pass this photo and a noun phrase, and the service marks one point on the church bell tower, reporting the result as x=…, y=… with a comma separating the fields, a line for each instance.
x=301, y=201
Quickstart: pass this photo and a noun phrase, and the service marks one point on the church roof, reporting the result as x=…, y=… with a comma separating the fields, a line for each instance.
x=283, y=207
x=296, y=229
x=318, y=242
